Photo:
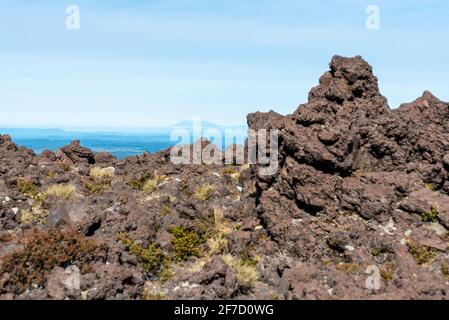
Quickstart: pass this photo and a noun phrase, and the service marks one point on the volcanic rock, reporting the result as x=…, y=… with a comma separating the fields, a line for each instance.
x=359, y=187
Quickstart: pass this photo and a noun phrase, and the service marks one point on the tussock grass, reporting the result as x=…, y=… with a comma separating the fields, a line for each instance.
x=37, y=214
x=100, y=179
x=247, y=274
x=204, y=192
x=422, y=254
x=148, y=183
x=26, y=217
x=102, y=173
x=66, y=191
x=218, y=241
x=27, y=188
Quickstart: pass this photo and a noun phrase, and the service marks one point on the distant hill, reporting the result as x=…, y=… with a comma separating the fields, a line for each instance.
x=37, y=133
x=189, y=124
x=33, y=133
x=204, y=124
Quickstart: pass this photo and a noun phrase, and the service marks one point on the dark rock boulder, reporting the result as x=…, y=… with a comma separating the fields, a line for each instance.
x=76, y=153
x=345, y=150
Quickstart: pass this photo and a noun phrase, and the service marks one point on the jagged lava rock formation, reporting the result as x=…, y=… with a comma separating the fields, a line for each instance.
x=359, y=187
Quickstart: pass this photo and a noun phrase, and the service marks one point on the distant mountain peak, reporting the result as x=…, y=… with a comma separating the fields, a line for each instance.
x=190, y=122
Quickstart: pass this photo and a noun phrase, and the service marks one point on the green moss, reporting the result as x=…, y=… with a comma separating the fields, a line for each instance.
x=152, y=259
x=430, y=216
x=431, y=187
x=185, y=243
x=420, y=253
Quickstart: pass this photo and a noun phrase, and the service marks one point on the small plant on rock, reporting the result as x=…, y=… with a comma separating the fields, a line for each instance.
x=100, y=179
x=444, y=268
x=185, y=243
x=387, y=272
x=152, y=184
x=27, y=188
x=148, y=183
x=229, y=171
x=37, y=213
x=66, y=191
x=102, y=174
x=203, y=192
x=421, y=254
x=247, y=274
x=96, y=187
x=138, y=183
x=152, y=259
x=348, y=267
x=430, y=216
x=217, y=238
x=165, y=210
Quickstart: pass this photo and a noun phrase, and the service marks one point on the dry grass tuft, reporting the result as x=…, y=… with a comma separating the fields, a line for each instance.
x=247, y=274
x=204, y=192
x=218, y=242
x=101, y=174
x=422, y=254
x=27, y=188
x=64, y=191
x=149, y=184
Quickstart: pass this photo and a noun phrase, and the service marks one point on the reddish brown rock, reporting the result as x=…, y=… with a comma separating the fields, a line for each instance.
x=359, y=187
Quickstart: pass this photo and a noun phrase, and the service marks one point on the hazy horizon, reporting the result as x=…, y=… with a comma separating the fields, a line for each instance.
x=109, y=129
x=122, y=142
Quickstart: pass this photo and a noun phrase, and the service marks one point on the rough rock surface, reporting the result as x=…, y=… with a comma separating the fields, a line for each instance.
x=361, y=191
x=359, y=185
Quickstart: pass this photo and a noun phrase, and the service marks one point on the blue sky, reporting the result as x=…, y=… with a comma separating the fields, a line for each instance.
x=154, y=63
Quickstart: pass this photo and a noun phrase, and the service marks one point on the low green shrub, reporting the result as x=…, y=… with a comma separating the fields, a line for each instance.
x=185, y=243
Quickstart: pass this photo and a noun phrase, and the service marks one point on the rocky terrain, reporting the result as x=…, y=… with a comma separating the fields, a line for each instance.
x=361, y=193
